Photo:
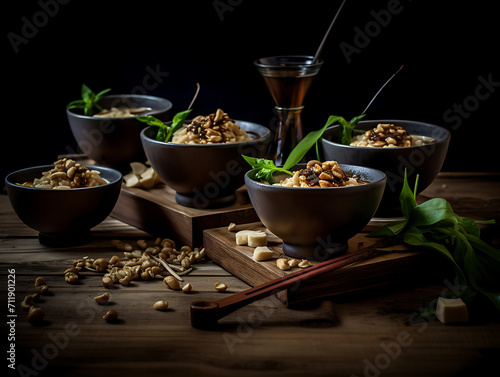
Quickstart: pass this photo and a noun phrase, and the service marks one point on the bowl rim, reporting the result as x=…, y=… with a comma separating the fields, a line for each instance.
x=168, y=106
x=42, y=168
x=383, y=178
x=446, y=133
x=266, y=130
x=306, y=57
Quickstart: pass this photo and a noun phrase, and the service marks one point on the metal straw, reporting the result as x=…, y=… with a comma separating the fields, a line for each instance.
x=322, y=44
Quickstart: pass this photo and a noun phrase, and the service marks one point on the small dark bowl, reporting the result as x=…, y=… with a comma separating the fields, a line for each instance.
x=204, y=175
x=63, y=218
x=115, y=142
x=424, y=160
x=316, y=223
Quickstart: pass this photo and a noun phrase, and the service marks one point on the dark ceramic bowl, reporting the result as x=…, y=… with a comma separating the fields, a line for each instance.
x=63, y=218
x=115, y=142
x=316, y=223
x=204, y=175
x=424, y=160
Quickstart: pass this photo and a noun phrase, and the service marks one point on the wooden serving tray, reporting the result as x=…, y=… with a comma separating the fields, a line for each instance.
x=385, y=269
x=155, y=211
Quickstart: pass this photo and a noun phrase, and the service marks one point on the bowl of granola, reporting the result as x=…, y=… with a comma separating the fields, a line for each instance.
x=203, y=162
x=111, y=136
x=393, y=147
x=317, y=209
x=63, y=201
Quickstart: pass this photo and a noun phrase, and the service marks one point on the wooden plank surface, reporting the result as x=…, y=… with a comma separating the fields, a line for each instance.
x=156, y=211
x=347, y=335
x=400, y=264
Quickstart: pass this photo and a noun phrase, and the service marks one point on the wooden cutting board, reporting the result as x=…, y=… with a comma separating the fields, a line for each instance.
x=400, y=264
x=156, y=212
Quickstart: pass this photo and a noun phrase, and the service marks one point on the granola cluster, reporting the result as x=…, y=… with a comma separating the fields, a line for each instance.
x=320, y=174
x=67, y=174
x=384, y=135
x=215, y=128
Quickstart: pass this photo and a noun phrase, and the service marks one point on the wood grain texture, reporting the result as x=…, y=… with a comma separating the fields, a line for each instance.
x=156, y=211
x=348, y=335
x=400, y=264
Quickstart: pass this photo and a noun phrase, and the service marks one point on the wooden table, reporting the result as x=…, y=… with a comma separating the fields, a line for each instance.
x=370, y=333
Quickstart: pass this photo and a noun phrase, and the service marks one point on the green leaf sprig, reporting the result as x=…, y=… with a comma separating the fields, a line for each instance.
x=433, y=225
x=89, y=100
x=165, y=132
x=349, y=128
x=267, y=167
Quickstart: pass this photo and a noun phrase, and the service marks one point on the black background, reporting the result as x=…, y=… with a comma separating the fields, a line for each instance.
x=445, y=47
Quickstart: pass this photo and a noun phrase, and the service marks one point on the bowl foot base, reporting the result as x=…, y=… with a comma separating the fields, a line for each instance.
x=315, y=252
x=195, y=201
x=64, y=239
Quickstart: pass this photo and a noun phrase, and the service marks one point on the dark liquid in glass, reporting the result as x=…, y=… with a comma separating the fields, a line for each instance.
x=288, y=93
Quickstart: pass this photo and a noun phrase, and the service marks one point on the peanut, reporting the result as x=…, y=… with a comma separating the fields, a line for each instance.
x=282, y=264
x=187, y=288
x=172, y=283
x=102, y=299
x=221, y=287
x=110, y=316
x=160, y=305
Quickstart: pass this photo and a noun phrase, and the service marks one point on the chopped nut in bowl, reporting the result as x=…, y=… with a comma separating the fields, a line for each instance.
x=205, y=171
x=315, y=221
x=320, y=174
x=63, y=217
x=393, y=147
x=215, y=128
x=111, y=138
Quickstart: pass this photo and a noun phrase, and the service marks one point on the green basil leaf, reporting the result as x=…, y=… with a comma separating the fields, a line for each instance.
x=306, y=143
x=407, y=198
x=99, y=95
x=77, y=104
x=431, y=212
x=389, y=230
x=266, y=168
x=413, y=236
x=356, y=119
x=151, y=121
x=177, y=123
x=86, y=93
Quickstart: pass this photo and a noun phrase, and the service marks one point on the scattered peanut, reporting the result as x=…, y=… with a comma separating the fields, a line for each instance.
x=42, y=289
x=160, y=305
x=293, y=262
x=41, y=285
x=231, y=227
x=304, y=263
x=29, y=301
x=35, y=315
x=221, y=287
x=40, y=281
x=107, y=281
x=100, y=264
x=172, y=283
x=187, y=288
x=110, y=316
x=71, y=277
x=102, y=299
x=282, y=264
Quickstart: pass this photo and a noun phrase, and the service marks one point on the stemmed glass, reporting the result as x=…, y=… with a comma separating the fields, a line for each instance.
x=288, y=78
